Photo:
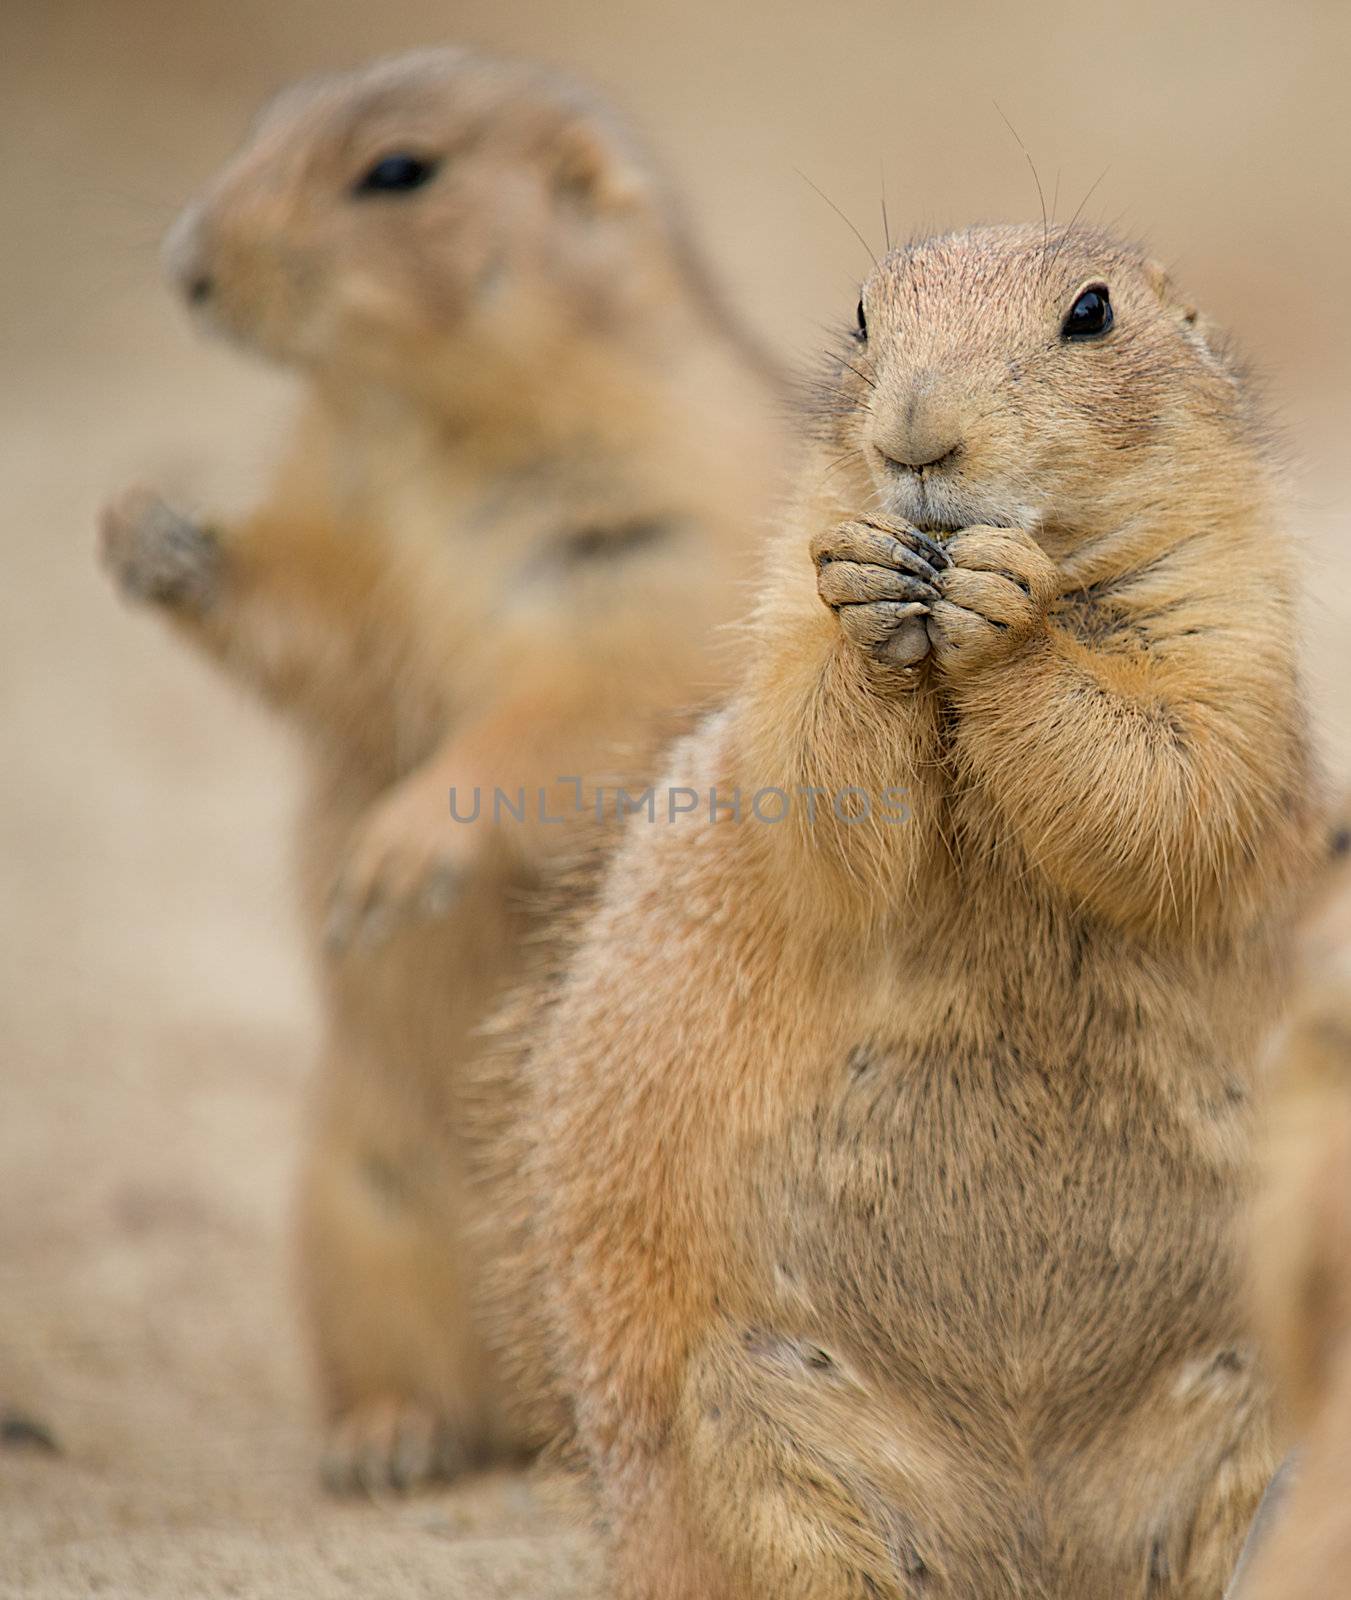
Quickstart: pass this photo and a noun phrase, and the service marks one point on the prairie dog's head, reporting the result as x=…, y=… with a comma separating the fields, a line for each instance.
x=437, y=213
x=1043, y=378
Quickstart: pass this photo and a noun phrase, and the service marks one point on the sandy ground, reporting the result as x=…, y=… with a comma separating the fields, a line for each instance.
x=157, y=1023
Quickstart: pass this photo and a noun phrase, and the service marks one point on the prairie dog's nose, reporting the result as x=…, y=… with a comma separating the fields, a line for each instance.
x=924, y=429
x=184, y=255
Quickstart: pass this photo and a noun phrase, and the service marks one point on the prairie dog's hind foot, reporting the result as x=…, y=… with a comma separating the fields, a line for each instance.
x=880, y=578
x=156, y=554
x=389, y=1446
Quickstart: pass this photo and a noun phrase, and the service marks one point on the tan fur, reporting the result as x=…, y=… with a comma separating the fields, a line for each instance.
x=892, y=1169
x=1303, y=1264
x=515, y=513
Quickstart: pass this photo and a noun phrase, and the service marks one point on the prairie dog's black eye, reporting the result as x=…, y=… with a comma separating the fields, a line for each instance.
x=861, y=331
x=396, y=174
x=1090, y=315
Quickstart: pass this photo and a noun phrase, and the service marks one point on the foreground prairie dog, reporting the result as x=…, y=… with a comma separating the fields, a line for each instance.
x=893, y=1135
x=513, y=517
x=1302, y=1262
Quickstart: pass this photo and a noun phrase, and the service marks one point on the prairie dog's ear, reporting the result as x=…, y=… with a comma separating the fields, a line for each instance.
x=590, y=168
x=1209, y=341
x=1162, y=285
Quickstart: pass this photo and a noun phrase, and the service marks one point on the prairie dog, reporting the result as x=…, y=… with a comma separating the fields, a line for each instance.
x=496, y=555
x=893, y=1140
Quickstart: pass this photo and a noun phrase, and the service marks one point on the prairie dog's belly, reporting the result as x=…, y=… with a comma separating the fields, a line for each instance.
x=991, y=1299
x=1038, y=1220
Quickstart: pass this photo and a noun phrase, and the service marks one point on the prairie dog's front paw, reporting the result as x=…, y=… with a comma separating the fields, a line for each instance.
x=155, y=553
x=410, y=856
x=880, y=578
x=991, y=599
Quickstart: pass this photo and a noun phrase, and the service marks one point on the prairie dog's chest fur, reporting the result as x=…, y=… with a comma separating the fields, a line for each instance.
x=495, y=561
x=461, y=533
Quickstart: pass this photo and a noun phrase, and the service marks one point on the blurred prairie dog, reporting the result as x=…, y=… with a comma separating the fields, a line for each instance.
x=1302, y=1263
x=512, y=518
x=892, y=1154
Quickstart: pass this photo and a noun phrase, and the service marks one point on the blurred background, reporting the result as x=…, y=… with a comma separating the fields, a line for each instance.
x=157, y=1025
